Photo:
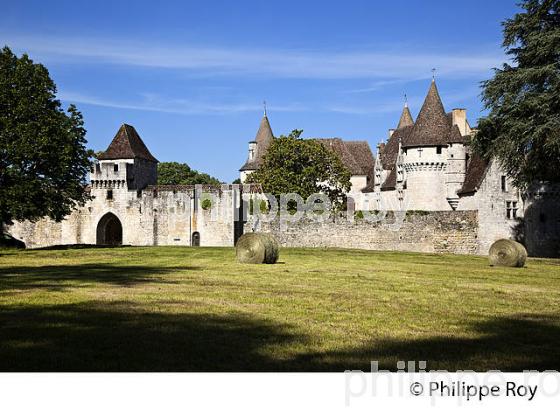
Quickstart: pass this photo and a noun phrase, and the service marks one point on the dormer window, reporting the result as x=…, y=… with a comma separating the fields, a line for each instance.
x=438, y=149
x=116, y=167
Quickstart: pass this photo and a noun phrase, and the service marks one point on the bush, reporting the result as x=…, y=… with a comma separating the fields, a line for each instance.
x=206, y=204
x=263, y=206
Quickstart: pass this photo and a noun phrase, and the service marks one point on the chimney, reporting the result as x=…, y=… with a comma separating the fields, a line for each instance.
x=252, y=150
x=459, y=116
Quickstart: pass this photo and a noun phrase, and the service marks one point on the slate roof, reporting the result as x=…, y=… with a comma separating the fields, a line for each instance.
x=263, y=139
x=476, y=170
x=127, y=144
x=433, y=126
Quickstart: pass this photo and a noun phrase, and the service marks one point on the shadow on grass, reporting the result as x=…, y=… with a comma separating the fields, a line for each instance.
x=121, y=337
x=512, y=343
x=117, y=337
x=59, y=277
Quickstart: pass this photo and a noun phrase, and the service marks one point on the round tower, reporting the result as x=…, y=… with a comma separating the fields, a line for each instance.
x=425, y=156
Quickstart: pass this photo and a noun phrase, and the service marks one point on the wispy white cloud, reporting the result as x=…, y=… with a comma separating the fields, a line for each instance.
x=404, y=64
x=156, y=103
x=415, y=102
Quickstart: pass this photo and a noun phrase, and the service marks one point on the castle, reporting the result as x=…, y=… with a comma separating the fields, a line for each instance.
x=128, y=207
x=464, y=203
x=428, y=165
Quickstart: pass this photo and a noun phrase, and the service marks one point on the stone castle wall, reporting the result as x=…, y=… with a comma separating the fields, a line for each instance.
x=490, y=201
x=155, y=216
x=434, y=232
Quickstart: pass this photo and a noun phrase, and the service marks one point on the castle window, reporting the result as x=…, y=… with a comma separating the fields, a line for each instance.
x=116, y=167
x=438, y=149
x=109, y=194
x=504, y=183
x=511, y=209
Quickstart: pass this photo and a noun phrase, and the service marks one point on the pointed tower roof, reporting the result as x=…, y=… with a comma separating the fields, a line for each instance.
x=263, y=139
x=264, y=134
x=432, y=126
x=127, y=144
x=406, y=117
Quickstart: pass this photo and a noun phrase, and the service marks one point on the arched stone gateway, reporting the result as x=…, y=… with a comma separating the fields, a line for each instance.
x=196, y=239
x=109, y=230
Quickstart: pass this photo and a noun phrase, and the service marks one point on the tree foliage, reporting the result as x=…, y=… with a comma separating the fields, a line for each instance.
x=174, y=173
x=43, y=158
x=522, y=129
x=304, y=167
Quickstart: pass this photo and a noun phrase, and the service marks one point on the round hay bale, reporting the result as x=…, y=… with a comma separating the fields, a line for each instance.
x=272, y=249
x=505, y=252
x=257, y=248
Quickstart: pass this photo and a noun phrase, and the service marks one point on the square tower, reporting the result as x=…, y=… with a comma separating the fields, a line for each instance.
x=126, y=164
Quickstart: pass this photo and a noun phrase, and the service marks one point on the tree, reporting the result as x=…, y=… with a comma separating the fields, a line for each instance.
x=43, y=158
x=304, y=167
x=174, y=173
x=522, y=129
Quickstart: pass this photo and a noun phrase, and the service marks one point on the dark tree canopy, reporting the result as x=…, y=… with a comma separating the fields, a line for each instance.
x=43, y=158
x=302, y=166
x=174, y=173
x=522, y=129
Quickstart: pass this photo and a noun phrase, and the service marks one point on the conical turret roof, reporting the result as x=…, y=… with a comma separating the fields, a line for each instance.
x=432, y=126
x=127, y=144
x=263, y=139
x=264, y=134
x=406, y=118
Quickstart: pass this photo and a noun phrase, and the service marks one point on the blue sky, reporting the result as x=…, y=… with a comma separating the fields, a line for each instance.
x=191, y=76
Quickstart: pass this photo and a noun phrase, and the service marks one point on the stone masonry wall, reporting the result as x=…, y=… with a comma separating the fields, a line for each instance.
x=433, y=232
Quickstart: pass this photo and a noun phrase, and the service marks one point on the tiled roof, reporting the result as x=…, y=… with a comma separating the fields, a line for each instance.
x=127, y=144
x=476, y=170
x=406, y=118
x=433, y=126
x=263, y=139
x=355, y=155
x=362, y=154
x=341, y=149
x=391, y=149
x=391, y=181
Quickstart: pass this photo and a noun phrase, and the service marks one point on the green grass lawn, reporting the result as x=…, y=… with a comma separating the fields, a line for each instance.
x=197, y=309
